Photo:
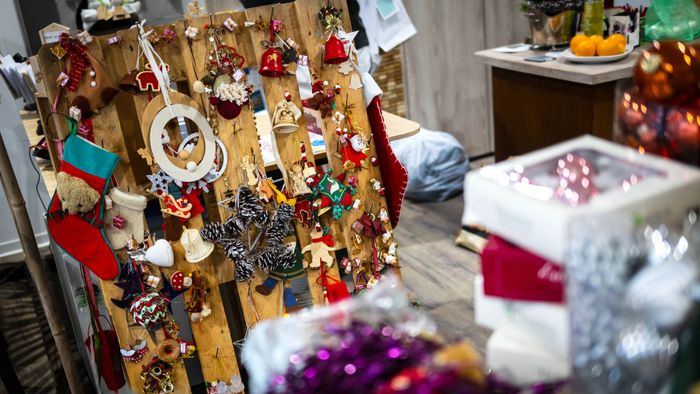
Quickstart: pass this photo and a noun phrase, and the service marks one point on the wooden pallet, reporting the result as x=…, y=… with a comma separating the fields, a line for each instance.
x=117, y=127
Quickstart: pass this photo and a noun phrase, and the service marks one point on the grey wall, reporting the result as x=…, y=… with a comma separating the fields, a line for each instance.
x=446, y=88
x=17, y=144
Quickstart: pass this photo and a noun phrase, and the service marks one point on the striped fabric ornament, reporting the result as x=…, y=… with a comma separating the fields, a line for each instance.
x=149, y=310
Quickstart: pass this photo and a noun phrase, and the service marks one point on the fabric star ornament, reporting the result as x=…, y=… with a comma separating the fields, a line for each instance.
x=130, y=283
x=160, y=181
x=334, y=195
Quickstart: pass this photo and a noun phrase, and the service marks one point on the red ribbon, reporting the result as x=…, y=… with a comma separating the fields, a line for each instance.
x=326, y=239
x=79, y=61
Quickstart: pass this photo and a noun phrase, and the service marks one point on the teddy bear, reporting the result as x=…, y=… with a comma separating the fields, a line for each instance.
x=75, y=194
x=320, y=247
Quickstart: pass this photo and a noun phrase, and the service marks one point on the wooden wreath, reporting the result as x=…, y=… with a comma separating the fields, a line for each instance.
x=155, y=118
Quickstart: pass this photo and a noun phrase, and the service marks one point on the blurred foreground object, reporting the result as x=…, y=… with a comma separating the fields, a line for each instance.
x=376, y=343
x=672, y=20
x=633, y=298
x=660, y=114
x=536, y=200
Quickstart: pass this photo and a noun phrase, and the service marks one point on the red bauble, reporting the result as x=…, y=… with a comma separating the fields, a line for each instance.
x=668, y=72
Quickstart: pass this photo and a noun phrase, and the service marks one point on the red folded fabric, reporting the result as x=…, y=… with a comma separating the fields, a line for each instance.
x=514, y=273
x=394, y=174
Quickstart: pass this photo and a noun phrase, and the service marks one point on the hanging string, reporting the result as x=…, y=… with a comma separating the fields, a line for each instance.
x=157, y=64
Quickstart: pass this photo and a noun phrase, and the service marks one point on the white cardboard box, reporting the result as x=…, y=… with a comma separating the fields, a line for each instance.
x=543, y=323
x=526, y=214
x=520, y=362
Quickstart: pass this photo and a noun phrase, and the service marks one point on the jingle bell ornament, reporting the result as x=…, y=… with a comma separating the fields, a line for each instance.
x=271, y=63
x=196, y=248
x=334, y=51
x=285, y=118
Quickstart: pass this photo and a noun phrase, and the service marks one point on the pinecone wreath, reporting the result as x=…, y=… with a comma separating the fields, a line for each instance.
x=254, y=236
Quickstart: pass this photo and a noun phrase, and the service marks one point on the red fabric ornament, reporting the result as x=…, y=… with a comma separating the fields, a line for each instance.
x=350, y=155
x=228, y=109
x=193, y=198
x=394, y=174
x=334, y=290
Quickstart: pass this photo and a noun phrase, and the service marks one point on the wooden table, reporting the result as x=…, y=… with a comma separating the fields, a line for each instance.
x=534, y=105
x=396, y=129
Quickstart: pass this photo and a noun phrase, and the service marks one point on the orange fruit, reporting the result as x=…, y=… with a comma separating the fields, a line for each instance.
x=596, y=39
x=609, y=48
x=585, y=48
x=619, y=39
x=575, y=41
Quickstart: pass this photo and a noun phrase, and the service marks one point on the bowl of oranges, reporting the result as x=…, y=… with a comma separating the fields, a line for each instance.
x=596, y=49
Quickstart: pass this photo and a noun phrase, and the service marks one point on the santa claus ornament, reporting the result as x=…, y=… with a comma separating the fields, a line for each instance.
x=225, y=82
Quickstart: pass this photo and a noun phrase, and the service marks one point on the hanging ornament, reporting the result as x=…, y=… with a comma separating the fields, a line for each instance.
x=266, y=250
x=179, y=281
x=250, y=170
x=334, y=51
x=196, y=303
x=271, y=63
x=157, y=377
x=331, y=19
x=134, y=354
x=267, y=286
x=196, y=248
x=346, y=68
x=149, y=310
x=355, y=82
x=333, y=195
x=285, y=117
x=160, y=254
x=290, y=301
x=320, y=248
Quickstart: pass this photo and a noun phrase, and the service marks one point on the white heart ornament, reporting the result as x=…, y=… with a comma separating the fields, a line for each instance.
x=161, y=254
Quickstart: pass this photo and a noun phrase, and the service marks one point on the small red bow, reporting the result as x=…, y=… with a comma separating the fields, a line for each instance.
x=326, y=239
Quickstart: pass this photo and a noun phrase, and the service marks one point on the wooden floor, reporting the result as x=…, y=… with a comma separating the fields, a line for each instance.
x=439, y=274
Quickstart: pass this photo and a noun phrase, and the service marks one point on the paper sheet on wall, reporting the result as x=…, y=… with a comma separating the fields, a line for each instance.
x=386, y=33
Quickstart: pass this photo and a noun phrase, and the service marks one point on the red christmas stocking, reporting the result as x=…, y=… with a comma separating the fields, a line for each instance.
x=394, y=174
x=74, y=217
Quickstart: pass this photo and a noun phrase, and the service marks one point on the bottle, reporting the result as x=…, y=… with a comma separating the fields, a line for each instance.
x=593, y=15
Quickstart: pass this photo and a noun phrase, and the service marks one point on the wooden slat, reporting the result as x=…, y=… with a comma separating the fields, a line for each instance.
x=129, y=50
x=287, y=144
x=307, y=11
x=104, y=123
